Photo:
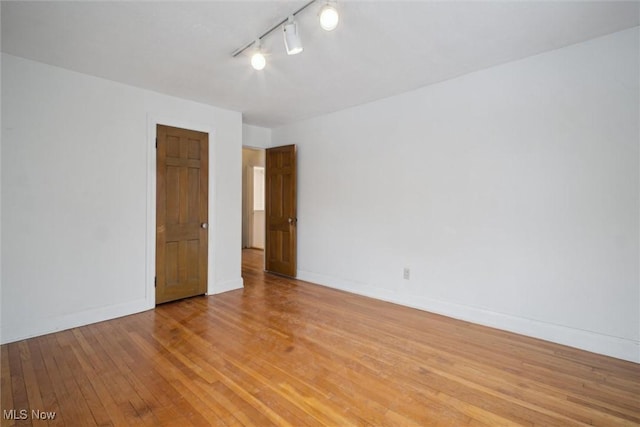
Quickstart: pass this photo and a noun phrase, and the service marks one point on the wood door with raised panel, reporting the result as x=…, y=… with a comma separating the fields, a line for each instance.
x=281, y=211
x=182, y=174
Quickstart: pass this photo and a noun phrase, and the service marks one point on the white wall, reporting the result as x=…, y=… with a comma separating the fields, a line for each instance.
x=511, y=193
x=78, y=196
x=256, y=136
x=1, y=181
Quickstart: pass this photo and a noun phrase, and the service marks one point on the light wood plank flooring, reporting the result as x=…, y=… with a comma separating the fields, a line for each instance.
x=284, y=352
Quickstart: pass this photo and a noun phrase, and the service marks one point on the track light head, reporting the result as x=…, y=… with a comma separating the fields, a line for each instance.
x=258, y=61
x=329, y=16
x=292, y=41
x=328, y=20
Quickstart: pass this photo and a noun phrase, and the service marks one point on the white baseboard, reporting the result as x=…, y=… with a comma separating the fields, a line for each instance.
x=586, y=340
x=226, y=286
x=38, y=327
x=620, y=348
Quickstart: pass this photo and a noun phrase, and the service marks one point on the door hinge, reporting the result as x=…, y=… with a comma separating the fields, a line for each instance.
x=156, y=142
x=155, y=282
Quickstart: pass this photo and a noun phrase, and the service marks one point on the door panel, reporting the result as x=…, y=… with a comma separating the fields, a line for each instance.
x=281, y=211
x=182, y=173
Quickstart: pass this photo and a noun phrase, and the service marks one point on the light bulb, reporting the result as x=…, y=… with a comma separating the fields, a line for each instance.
x=329, y=17
x=258, y=61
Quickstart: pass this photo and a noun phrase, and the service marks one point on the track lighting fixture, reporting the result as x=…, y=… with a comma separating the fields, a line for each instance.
x=329, y=16
x=328, y=20
x=258, y=61
x=292, y=41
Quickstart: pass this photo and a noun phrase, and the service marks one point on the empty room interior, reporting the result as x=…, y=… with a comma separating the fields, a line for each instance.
x=331, y=213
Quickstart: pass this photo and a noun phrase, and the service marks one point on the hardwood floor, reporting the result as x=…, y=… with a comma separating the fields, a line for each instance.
x=284, y=352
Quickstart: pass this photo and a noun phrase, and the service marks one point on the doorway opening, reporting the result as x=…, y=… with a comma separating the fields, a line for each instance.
x=269, y=219
x=253, y=198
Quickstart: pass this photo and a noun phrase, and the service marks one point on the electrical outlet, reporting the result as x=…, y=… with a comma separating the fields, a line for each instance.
x=406, y=273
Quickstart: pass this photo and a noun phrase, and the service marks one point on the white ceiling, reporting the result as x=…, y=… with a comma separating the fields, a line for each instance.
x=380, y=48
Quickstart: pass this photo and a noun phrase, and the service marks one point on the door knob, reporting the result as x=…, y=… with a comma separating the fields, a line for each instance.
x=204, y=225
x=292, y=220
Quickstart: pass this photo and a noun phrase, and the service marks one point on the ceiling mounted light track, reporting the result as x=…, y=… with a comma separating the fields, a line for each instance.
x=293, y=44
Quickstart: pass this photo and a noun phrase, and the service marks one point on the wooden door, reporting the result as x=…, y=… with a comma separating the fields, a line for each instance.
x=182, y=173
x=281, y=211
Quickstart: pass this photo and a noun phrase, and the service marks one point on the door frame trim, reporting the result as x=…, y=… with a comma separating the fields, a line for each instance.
x=150, y=270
